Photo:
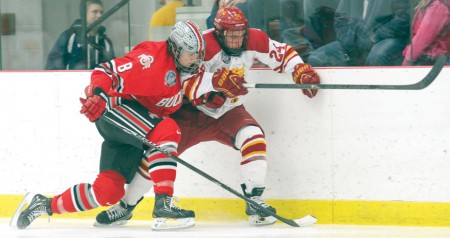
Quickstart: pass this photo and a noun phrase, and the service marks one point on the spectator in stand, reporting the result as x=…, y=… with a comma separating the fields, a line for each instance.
x=166, y=15
x=431, y=33
x=316, y=30
x=67, y=53
x=370, y=32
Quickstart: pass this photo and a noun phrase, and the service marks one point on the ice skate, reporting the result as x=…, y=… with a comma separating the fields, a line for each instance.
x=256, y=217
x=39, y=205
x=117, y=215
x=168, y=216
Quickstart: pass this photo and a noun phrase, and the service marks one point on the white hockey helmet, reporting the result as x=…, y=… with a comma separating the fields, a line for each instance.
x=186, y=36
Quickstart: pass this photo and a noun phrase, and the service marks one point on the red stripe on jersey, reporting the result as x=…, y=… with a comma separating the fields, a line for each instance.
x=136, y=121
x=289, y=55
x=191, y=85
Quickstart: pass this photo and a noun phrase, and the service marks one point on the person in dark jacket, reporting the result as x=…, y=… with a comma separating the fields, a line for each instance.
x=67, y=53
x=369, y=32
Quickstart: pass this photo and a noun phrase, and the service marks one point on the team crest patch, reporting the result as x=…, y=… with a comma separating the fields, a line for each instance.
x=146, y=60
x=171, y=78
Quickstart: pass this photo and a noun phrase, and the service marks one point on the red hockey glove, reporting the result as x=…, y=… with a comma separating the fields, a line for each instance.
x=95, y=103
x=305, y=74
x=229, y=82
x=210, y=99
x=214, y=99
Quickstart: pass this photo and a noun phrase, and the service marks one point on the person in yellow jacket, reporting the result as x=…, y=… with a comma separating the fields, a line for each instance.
x=166, y=15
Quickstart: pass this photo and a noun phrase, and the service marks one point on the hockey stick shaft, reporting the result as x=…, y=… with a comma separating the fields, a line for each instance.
x=200, y=172
x=427, y=80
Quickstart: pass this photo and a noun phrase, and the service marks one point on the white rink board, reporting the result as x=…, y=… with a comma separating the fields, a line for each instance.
x=341, y=145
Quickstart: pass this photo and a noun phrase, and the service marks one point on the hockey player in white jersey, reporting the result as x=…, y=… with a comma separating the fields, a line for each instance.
x=216, y=111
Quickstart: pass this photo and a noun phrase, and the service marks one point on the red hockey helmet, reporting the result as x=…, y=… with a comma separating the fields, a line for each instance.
x=231, y=30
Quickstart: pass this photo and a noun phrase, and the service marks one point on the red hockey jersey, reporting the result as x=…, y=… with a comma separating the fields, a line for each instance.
x=146, y=74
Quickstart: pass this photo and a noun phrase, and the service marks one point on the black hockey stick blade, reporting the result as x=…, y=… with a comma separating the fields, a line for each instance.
x=427, y=80
x=301, y=222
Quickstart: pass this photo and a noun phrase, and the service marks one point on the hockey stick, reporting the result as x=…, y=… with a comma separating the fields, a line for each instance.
x=301, y=222
x=427, y=80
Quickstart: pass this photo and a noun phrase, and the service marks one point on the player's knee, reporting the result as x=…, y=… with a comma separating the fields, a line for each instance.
x=166, y=131
x=246, y=133
x=109, y=187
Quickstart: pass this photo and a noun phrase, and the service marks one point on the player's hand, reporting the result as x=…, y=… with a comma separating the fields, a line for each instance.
x=95, y=103
x=214, y=99
x=305, y=74
x=228, y=82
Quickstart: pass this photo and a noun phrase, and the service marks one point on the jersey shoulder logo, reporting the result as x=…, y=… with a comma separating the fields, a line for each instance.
x=171, y=78
x=145, y=60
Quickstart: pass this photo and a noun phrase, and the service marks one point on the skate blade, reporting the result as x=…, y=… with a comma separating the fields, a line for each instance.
x=160, y=224
x=256, y=220
x=306, y=221
x=26, y=200
x=114, y=224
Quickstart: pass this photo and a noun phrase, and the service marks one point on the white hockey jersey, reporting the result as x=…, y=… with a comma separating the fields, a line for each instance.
x=280, y=57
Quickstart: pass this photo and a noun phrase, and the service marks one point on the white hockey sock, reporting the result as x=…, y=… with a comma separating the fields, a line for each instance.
x=254, y=174
x=136, y=189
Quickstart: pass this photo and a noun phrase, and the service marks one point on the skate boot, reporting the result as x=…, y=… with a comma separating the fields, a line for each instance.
x=166, y=209
x=256, y=217
x=39, y=205
x=117, y=215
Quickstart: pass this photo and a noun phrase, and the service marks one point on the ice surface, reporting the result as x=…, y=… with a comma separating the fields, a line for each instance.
x=77, y=228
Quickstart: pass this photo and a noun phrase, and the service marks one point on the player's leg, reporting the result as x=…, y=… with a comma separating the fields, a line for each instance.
x=247, y=136
x=118, y=162
x=120, y=213
x=162, y=171
x=251, y=142
x=107, y=189
x=166, y=134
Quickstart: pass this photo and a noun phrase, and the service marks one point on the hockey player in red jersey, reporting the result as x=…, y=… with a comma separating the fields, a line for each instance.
x=216, y=111
x=138, y=92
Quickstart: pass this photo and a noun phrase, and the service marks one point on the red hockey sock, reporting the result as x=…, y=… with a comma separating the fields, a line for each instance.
x=162, y=169
x=106, y=190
